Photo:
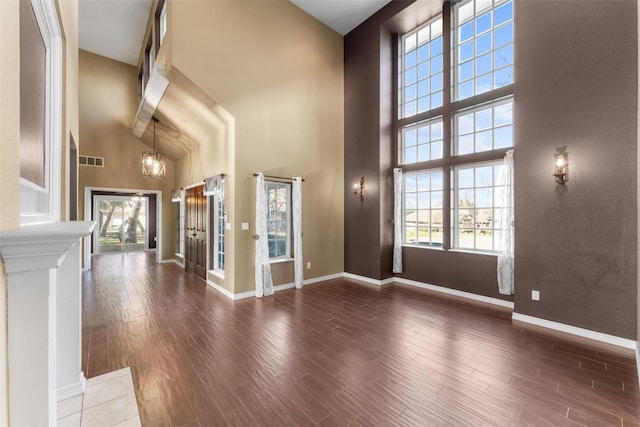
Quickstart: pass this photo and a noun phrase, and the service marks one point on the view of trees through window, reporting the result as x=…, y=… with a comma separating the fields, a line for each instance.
x=279, y=219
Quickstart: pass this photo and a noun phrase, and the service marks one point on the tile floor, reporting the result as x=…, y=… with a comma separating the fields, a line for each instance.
x=109, y=401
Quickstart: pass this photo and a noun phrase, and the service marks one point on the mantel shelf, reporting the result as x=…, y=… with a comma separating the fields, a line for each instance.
x=33, y=247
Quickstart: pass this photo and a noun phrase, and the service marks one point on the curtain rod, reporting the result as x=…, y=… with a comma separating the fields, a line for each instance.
x=276, y=177
x=222, y=175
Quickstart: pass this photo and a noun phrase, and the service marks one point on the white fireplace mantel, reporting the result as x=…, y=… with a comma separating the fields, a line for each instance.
x=44, y=305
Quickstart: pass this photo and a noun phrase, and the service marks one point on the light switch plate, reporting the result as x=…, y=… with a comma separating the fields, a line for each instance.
x=245, y=225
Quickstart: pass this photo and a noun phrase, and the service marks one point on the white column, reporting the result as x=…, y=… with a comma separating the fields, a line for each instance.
x=71, y=380
x=32, y=358
x=40, y=261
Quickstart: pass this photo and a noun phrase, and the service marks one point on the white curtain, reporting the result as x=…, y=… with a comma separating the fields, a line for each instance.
x=397, y=220
x=298, y=271
x=264, y=283
x=213, y=186
x=506, y=226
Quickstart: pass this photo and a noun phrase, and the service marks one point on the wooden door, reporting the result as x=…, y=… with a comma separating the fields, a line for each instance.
x=196, y=232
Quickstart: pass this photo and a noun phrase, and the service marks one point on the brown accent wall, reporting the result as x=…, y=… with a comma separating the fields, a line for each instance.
x=576, y=85
x=368, y=151
x=576, y=245
x=108, y=102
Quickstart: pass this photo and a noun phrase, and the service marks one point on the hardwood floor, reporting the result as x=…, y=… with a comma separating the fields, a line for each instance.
x=338, y=353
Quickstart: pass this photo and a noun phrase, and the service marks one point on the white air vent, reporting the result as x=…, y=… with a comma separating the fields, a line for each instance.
x=96, y=162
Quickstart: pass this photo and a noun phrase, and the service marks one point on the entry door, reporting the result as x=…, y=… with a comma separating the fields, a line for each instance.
x=196, y=231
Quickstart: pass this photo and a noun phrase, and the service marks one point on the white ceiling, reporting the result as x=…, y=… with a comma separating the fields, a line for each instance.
x=341, y=15
x=115, y=28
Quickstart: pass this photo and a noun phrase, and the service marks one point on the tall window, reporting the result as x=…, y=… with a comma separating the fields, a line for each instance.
x=279, y=219
x=451, y=140
x=180, y=222
x=217, y=221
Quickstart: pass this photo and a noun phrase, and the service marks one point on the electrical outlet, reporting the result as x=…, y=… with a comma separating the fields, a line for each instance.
x=308, y=266
x=535, y=295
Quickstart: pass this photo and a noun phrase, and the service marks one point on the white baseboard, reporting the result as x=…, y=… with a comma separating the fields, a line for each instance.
x=455, y=292
x=574, y=330
x=284, y=287
x=72, y=390
x=323, y=278
x=220, y=289
x=369, y=280
x=169, y=261
x=278, y=288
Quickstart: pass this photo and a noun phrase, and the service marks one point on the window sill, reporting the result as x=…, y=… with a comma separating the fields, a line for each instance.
x=217, y=273
x=432, y=248
x=280, y=260
x=181, y=256
x=463, y=251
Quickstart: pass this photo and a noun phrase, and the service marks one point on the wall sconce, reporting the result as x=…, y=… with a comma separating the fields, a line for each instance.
x=561, y=166
x=358, y=189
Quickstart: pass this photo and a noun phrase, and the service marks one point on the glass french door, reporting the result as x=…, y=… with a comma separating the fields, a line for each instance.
x=122, y=224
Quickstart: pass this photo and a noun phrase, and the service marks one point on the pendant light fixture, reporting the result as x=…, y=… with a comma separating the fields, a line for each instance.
x=154, y=163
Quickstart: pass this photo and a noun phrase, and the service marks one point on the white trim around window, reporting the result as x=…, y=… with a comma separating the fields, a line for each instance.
x=42, y=204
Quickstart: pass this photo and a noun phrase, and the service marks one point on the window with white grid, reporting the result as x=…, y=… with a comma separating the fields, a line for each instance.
x=454, y=137
x=423, y=208
x=279, y=219
x=476, y=206
x=421, y=74
x=483, y=57
x=484, y=128
x=422, y=142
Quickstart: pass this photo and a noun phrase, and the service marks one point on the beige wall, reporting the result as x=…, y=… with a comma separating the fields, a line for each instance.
x=9, y=114
x=68, y=11
x=279, y=73
x=10, y=139
x=108, y=103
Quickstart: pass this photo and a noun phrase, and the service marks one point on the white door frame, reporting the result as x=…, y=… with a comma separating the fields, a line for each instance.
x=87, y=214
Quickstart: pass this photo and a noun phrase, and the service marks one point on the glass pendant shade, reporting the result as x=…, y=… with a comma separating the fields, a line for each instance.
x=154, y=164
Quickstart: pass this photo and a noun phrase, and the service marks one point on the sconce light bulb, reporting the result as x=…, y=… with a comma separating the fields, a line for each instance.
x=560, y=162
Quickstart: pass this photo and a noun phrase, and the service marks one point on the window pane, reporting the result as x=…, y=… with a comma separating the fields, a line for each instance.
x=476, y=205
x=485, y=37
x=278, y=218
x=423, y=50
x=418, y=141
x=484, y=128
x=422, y=193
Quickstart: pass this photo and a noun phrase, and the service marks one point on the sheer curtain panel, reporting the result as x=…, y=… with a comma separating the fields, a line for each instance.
x=264, y=283
x=397, y=220
x=506, y=227
x=298, y=270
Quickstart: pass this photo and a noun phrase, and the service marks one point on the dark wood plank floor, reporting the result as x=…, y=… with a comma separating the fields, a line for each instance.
x=338, y=353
